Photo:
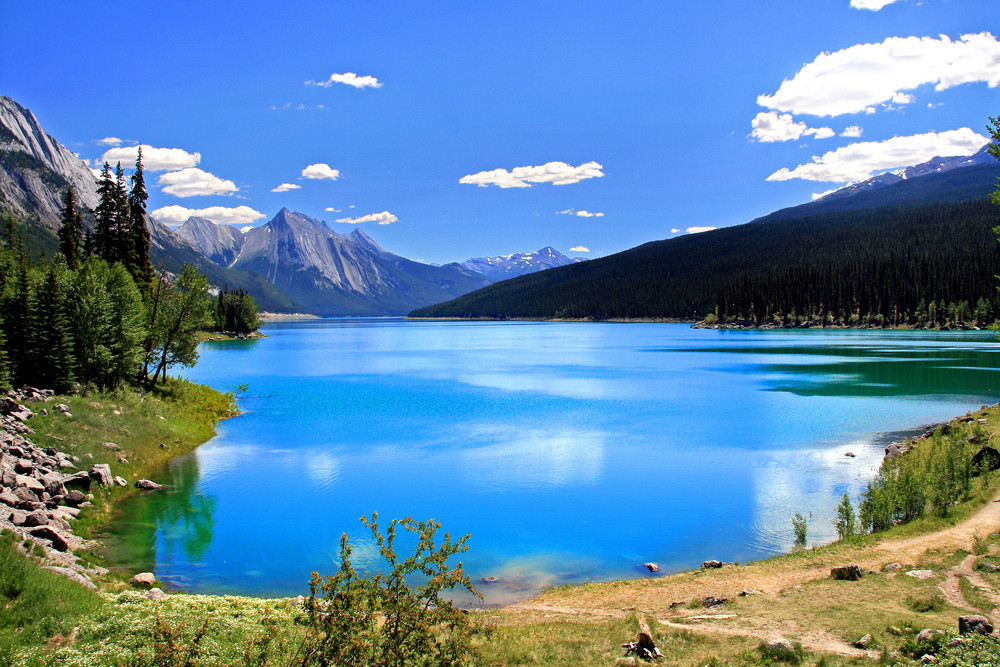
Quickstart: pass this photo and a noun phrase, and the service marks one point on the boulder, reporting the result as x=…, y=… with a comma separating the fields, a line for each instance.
x=74, y=498
x=59, y=542
x=846, y=573
x=927, y=634
x=708, y=564
x=25, y=496
x=53, y=484
x=121, y=481
x=101, y=473
x=78, y=577
x=36, y=518
x=712, y=601
x=864, y=642
x=78, y=480
x=749, y=591
x=110, y=445
x=652, y=567
x=921, y=574
x=17, y=517
x=8, y=498
x=892, y=567
x=147, y=485
x=24, y=466
x=156, y=594
x=490, y=580
x=146, y=579
x=780, y=646
x=975, y=623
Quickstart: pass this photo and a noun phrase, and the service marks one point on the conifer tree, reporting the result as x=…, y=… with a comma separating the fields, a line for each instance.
x=121, y=217
x=71, y=231
x=107, y=207
x=4, y=365
x=88, y=244
x=994, y=149
x=55, y=343
x=137, y=258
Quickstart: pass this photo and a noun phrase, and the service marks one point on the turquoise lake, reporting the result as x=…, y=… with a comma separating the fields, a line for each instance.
x=569, y=452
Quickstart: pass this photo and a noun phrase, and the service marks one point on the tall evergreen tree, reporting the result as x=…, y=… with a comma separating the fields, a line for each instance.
x=107, y=208
x=4, y=364
x=994, y=150
x=71, y=230
x=55, y=342
x=121, y=217
x=137, y=259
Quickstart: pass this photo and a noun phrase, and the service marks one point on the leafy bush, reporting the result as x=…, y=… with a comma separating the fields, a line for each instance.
x=381, y=619
x=799, y=526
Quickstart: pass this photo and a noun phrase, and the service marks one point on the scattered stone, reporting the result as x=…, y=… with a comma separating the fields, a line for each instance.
x=780, y=645
x=156, y=594
x=59, y=542
x=892, y=567
x=712, y=601
x=921, y=574
x=146, y=579
x=864, y=642
x=74, y=498
x=110, y=445
x=975, y=623
x=927, y=634
x=121, y=481
x=895, y=450
x=29, y=483
x=8, y=498
x=956, y=641
x=928, y=659
x=749, y=591
x=78, y=480
x=846, y=573
x=122, y=459
x=69, y=573
x=53, y=484
x=652, y=567
x=147, y=485
x=36, y=518
x=17, y=517
x=850, y=454
x=710, y=564
x=101, y=473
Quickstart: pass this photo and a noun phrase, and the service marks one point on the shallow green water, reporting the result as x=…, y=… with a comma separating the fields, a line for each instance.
x=569, y=451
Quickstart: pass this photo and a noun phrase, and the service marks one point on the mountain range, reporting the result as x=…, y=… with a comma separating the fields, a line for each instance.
x=293, y=263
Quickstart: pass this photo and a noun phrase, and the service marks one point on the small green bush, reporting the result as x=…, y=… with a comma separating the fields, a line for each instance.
x=925, y=601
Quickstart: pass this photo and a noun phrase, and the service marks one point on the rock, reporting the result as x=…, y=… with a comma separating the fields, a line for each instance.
x=101, y=473
x=29, y=483
x=652, y=567
x=25, y=496
x=59, y=542
x=299, y=600
x=708, y=564
x=147, y=485
x=928, y=659
x=895, y=450
x=36, y=518
x=926, y=634
x=892, y=567
x=17, y=517
x=78, y=480
x=846, y=573
x=78, y=577
x=975, y=623
x=53, y=484
x=156, y=594
x=8, y=498
x=490, y=580
x=712, y=601
x=24, y=466
x=146, y=579
x=780, y=646
x=121, y=481
x=864, y=642
x=122, y=459
x=749, y=591
x=674, y=605
x=921, y=574
x=74, y=498
x=110, y=445
x=850, y=454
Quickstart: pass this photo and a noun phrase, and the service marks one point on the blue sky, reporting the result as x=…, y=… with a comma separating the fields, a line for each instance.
x=472, y=129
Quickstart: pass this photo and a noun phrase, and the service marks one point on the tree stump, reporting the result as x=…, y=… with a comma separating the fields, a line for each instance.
x=644, y=647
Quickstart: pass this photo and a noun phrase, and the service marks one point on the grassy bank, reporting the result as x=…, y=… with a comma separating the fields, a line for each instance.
x=790, y=596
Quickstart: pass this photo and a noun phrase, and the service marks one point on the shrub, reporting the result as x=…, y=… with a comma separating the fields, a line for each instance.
x=799, y=526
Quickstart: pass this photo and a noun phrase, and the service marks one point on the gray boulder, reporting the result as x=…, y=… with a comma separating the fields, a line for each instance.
x=156, y=594
x=101, y=473
x=36, y=518
x=53, y=484
x=58, y=540
x=147, y=485
x=78, y=577
x=846, y=573
x=927, y=634
x=146, y=579
x=975, y=623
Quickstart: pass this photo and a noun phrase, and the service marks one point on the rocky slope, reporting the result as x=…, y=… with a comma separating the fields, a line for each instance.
x=516, y=264
x=219, y=243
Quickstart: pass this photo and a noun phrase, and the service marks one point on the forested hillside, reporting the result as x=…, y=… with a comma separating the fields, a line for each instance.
x=930, y=263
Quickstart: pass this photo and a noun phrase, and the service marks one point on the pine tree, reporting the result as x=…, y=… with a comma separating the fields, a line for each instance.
x=55, y=343
x=71, y=231
x=104, y=236
x=137, y=258
x=122, y=217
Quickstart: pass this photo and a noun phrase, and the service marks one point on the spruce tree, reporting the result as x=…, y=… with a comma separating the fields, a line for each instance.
x=55, y=342
x=4, y=365
x=71, y=230
x=121, y=217
x=104, y=235
x=137, y=259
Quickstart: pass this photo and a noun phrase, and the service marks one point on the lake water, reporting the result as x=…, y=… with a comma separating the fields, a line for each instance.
x=569, y=451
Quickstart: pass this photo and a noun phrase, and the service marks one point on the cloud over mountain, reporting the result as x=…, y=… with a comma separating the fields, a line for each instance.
x=770, y=126
x=383, y=218
x=557, y=173
x=192, y=181
x=153, y=159
x=222, y=215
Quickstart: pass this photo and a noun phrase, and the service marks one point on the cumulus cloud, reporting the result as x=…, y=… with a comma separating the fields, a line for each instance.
x=698, y=230
x=153, y=159
x=854, y=79
x=557, y=173
x=193, y=181
x=770, y=126
x=674, y=230
x=331, y=209
x=581, y=213
x=852, y=131
x=873, y=5
x=319, y=171
x=220, y=215
x=350, y=79
x=859, y=161
x=579, y=248
x=383, y=218
x=285, y=187
x=110, y=141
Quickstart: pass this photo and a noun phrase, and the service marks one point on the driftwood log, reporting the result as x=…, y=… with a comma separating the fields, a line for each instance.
x=644, y=647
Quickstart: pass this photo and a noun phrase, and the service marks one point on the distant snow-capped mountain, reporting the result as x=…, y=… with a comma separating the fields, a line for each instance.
x=516, y=264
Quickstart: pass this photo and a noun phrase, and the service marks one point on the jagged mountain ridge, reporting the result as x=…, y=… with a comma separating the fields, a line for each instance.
x=219, y=243
x=516, y=264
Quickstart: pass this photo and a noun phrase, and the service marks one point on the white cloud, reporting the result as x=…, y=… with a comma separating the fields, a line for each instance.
x=699, y=230
x=674, y=230
x=579, y=248
x=820, y=195
x=153, y=159
x=110, y=141
x=193, y=181
x=852, y=131
x=557, y=173
x=854, y=79
x=285, y=187
x=770, y=127
x=349, y=78
x=581, y=213
x=319, y=171
x=859, y=161
x=331, y=209
x=383, y=218
x=873, y=5
x=220, y=215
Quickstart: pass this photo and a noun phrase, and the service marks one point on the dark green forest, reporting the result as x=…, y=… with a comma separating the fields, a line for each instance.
x=922, y=265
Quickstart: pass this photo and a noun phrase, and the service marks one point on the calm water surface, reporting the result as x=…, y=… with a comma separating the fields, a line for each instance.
x=569, y=451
